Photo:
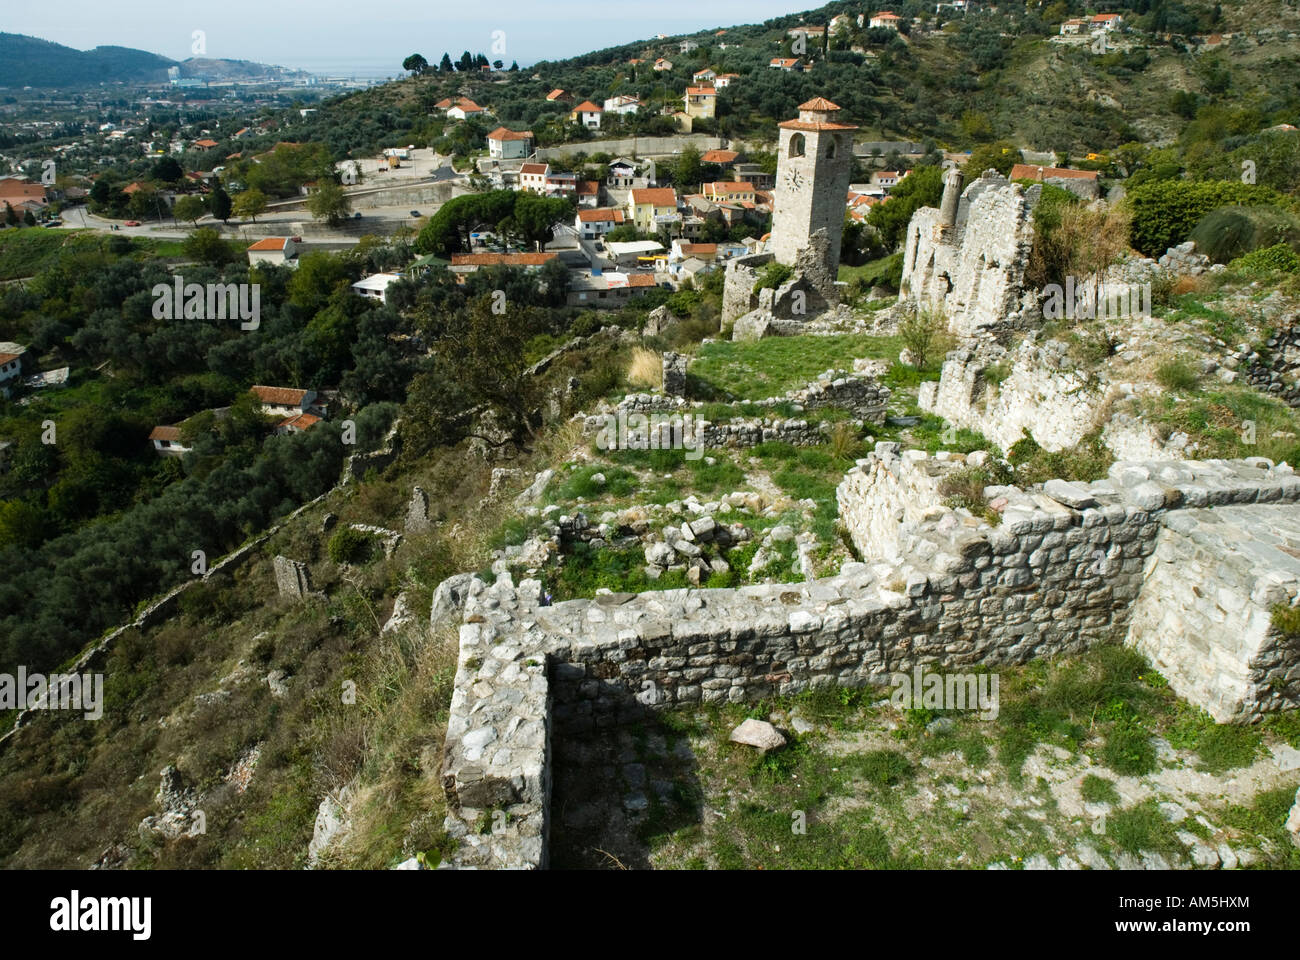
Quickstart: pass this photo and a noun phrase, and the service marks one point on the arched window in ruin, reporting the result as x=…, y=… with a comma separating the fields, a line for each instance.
x=797, y=145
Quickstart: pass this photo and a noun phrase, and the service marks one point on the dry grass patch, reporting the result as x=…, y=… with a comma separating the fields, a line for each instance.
x=645, y=369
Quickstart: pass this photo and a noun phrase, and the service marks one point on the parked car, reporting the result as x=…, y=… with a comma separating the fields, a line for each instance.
x=357, y=215
x=415, y=213
x=54, y=223
x=133, y=223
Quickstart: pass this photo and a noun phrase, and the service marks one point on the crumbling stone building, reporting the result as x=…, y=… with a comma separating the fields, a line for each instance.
x=967, y=258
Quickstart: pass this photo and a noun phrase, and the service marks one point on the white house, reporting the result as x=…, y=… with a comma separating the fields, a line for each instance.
x=591, y=224
x=1071, y=27
x=375, y=286
x=686, y=46
x=532, y=177
x=279, y=251
x=661, y=64
x=506, y=144
x=725, y=80
x=587, y=114
x=11, y=367
x=284, y=401
x=704, y=77
x=886, y=18
x=1107, y=21
x=622, y=104
x=784, y=63
x=463, y=108
x=167, y=441
x=622, y=172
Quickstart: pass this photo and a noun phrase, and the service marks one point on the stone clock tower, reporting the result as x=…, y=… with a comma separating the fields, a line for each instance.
x=813, y=167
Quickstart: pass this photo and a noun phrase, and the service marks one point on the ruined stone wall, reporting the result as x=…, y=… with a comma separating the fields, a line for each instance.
x=1277, y=371
x=1056, y=404
x=974, y=271
x=1040, y=394
x=738, y=296
x=1204, y=616
x=1063, y=570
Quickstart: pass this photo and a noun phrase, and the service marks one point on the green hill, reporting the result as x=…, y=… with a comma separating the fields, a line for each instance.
x=29, y=61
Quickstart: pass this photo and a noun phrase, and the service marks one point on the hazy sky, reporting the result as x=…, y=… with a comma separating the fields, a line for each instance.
x=311, y=33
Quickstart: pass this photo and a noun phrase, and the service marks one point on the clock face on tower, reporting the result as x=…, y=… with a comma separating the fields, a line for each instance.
x=794, y=180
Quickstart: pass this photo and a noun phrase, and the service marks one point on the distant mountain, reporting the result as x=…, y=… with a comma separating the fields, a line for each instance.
x=234, y=69
x=28, y=61
x=32, y=62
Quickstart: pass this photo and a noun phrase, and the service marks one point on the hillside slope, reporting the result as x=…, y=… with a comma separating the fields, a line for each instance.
x=29, y=61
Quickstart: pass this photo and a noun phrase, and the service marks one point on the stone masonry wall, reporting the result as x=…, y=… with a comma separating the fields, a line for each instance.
x=1062, y=570
x=1204, y=615
x=1041, y=394
x=974, y=271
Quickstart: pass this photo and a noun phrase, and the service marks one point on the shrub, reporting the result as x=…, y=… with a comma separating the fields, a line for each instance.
x=1078, y=241
x=964, y=487
x=773, y=275
x=925, y=335
x=1231, y=232
x=1286, y=620
x=1279, y=258
x=349, y=546
x=1166, y=211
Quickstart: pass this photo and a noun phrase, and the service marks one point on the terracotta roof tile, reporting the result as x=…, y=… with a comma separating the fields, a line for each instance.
x=271, y=243
x=1030, y=171
x=659, y=196
x=303, y=421
x=278, y=396
x=601, y=215
x=501, y=259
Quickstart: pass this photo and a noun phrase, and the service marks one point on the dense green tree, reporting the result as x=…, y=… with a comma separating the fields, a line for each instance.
x=415, y=64
x=206, y=246
x=923, y=187
x=328, y=202
x=168, y=170
x=219, y=203
x=249, y=203
x=189, y=208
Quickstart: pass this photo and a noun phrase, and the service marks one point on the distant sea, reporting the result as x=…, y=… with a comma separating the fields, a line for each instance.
x=361, y=68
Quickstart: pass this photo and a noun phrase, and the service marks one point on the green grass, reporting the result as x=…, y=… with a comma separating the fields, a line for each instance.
x=1229, y=422
x=755, y=370
x=1066, y=701
x=1220, y=746
x=579, y=483
x=1266, y=816
x=1176, y=375
x=1095, y=789
x=1216, y=322
x=1089, y=460
x=1142, y=827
